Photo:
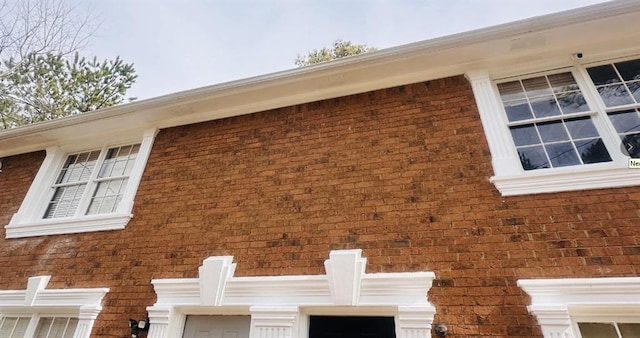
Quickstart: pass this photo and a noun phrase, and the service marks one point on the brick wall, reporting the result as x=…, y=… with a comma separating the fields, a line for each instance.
x=401, y=173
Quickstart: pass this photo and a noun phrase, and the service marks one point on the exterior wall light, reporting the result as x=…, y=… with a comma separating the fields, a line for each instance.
x=441, y=330
x=137, y=327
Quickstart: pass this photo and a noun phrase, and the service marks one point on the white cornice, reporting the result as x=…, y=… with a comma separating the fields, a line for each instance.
x=551, y=37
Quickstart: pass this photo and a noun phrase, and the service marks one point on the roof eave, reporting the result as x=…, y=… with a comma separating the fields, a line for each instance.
x=420, y=61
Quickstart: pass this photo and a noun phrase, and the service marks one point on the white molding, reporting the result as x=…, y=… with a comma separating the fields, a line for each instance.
x=345, y=269
x=57, y=226
x=214, y=274
x=85, y=304
x=555, y=301
x=591, y=176
x=28, y=221
x=284, y=300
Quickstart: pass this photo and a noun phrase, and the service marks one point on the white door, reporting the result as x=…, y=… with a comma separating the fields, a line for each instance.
x=217, y=327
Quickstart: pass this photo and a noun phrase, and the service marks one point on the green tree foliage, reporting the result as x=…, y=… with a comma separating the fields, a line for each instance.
x=43, y=87
x=339, y=50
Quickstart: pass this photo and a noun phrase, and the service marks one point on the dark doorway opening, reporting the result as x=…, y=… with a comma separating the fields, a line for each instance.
x=351, y=327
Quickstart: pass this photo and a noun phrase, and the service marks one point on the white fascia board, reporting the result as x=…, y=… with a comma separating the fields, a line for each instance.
x=492, y=47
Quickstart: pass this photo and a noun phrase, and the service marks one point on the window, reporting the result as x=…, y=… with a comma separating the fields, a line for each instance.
x=609, y=330
x=81, y=190
x=570, y=128
x=48, y=327
x=49, y=313
x=585, y=307
x=11, y=327
x=92, y=182
x=550, y=123
x=618, y=85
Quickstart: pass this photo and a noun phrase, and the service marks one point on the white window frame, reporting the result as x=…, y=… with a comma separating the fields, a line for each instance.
x=509, y=176
x=29, y=221
x=280, y=306
x=559, y=304
x=38, y=302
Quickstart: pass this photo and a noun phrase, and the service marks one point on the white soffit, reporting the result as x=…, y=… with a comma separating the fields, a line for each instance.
x=593, y=30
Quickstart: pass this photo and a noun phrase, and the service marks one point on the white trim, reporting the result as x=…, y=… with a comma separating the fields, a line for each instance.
x=555, y=301
x=279, y=304
x=28, y=220
x=36, y=300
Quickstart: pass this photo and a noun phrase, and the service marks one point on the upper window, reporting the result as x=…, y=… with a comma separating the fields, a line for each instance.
x=550, y=123
x=571, y=128
x=92, y=182
x=81, y=191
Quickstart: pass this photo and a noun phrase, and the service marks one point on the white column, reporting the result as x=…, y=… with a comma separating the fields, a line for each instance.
x=414, y=321
x=165, y=322
x=274, y=321
x=86, y=318
x=554, y=320
x=504, y=156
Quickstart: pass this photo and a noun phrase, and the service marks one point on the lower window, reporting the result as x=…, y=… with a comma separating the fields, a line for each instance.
x=48, y=327
x=351, y=327
x=609, y=330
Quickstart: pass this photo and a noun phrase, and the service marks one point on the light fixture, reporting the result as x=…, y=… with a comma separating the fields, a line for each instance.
x=138, y=327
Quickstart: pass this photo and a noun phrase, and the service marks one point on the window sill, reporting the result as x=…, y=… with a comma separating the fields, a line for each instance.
x=566, y=179
x=68, y=225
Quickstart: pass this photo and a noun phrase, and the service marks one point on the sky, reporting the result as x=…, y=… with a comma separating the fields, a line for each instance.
x=177, y=45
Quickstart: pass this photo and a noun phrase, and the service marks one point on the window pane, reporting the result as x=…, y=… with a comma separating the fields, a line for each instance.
x=525, y=135
x=615, y=95
x=518, y=110
x=11, y=327
x=593, y=151
x=631, y=144
x=572, y=102
x=634, y=87
x=562, y=82
x=626, y=121
x=629, y=330
x=603, y=75
x=536, y=86
x=511, y=91
x=44, y=325
x=552, y=131
x=57, y=327
x=533, y=158
x=597, y=330
x=107, y=196
x=581, y=128
x=71, y=328
x=562, y=154
x=630, y=70
x=545, y=106
x=117, y=161
x=78, y=167
x=65, y=201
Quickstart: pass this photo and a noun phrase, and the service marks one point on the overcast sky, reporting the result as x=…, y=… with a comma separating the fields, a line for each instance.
x=183, y=44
